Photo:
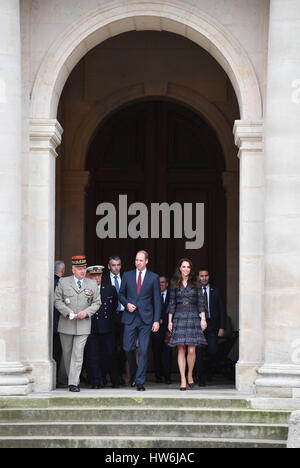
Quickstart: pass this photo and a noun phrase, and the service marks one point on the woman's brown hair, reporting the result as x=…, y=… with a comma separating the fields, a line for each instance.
x=177, y=277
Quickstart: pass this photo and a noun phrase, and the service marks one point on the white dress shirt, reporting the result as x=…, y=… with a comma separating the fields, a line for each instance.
x=76, y=281
x=112, y=279
x=143, y=275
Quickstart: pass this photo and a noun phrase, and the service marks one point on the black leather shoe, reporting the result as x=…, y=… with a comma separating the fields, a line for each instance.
x=132, y=384
x=74, y=388
x=140, y=388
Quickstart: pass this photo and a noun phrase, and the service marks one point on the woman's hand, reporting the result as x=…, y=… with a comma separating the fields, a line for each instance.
x=170, y=327
x=203, y=324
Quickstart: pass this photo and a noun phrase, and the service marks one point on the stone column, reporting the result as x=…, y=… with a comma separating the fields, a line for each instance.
x=45, y=136
x=248, y=137
x=75, y=183
x=231, y=186
x=280, y=374
x=14, y=376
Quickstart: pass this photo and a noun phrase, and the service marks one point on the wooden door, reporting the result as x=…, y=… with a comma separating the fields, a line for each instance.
x=154, y=152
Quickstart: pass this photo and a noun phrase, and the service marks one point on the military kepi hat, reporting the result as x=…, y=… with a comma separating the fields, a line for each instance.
x=95, y=270
x=79, y=260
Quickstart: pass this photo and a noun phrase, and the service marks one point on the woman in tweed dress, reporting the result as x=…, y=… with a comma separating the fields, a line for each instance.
x=186, y=318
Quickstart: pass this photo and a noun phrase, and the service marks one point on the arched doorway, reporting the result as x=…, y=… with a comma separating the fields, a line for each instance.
x=158, y=151
x=45, y=135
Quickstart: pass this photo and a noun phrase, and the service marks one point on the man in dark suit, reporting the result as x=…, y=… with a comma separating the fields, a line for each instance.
x=113, y=278
x=140, y=295
x=216, y=324
x=100, y=354
x=162, y=353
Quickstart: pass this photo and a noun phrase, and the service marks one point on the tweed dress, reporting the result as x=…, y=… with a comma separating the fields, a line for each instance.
x=185, y=305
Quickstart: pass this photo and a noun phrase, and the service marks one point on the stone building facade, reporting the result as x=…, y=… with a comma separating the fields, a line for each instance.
x=65, y=67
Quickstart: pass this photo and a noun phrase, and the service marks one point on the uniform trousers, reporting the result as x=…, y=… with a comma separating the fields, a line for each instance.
x=101, y=358
x=73, y=350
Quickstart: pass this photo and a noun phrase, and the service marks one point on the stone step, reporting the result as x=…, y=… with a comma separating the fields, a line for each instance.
x=163, y=414
x=137, y=442
x=184, y=401
x=134, y=421
x=147, y=429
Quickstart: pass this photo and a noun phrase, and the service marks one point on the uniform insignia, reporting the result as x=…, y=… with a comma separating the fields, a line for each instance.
x=67, y=301
x=89, y=292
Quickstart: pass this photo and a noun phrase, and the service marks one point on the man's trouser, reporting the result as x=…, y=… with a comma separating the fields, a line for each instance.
x=73, y=349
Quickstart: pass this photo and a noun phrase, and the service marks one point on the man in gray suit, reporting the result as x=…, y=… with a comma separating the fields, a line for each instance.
x=77, y=298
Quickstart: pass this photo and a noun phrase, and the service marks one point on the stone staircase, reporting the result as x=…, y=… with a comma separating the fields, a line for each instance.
x=139, y=422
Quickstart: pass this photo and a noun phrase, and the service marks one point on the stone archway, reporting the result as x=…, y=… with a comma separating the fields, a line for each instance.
x=45, y=134
x=104, y=23
x=76, y=178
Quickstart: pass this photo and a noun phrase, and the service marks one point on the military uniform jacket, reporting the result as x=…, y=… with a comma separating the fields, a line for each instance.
x=103, y=320
x=69, y=298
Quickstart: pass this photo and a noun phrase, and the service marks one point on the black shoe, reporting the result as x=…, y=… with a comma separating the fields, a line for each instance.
x=140, y=388
x=133, y=384
x=74, y=388
x=97, y=387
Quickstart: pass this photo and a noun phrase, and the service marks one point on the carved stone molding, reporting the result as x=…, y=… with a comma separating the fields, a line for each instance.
x=108, y=21
x=45, y=135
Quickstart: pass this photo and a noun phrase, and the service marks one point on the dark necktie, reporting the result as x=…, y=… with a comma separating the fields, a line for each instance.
x=163, y=299
x=139, y=283
x=118, y=290
x=206, y=301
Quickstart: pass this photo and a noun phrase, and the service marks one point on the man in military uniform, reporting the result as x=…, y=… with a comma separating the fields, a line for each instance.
x=101, y=343
x=77, y=299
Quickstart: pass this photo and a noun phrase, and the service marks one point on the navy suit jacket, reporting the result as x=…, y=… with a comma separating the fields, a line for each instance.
x=217, y=310
x=148, y=302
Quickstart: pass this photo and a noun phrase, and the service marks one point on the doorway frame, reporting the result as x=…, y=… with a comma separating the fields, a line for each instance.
x=45, y=134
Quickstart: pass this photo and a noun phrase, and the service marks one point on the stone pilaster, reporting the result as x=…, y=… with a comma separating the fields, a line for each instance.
x=249, y=137
x=14, y=376
x=45, y=136
x=280, y=374
x=75, y=183
x=231, y=186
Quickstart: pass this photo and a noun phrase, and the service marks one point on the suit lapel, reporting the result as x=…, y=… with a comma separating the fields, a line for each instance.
x=146, y=278
x=134, y=282
x=211, y=298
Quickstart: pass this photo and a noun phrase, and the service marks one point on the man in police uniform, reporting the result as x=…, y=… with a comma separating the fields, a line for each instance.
x=100, y=353
x=77, y=299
